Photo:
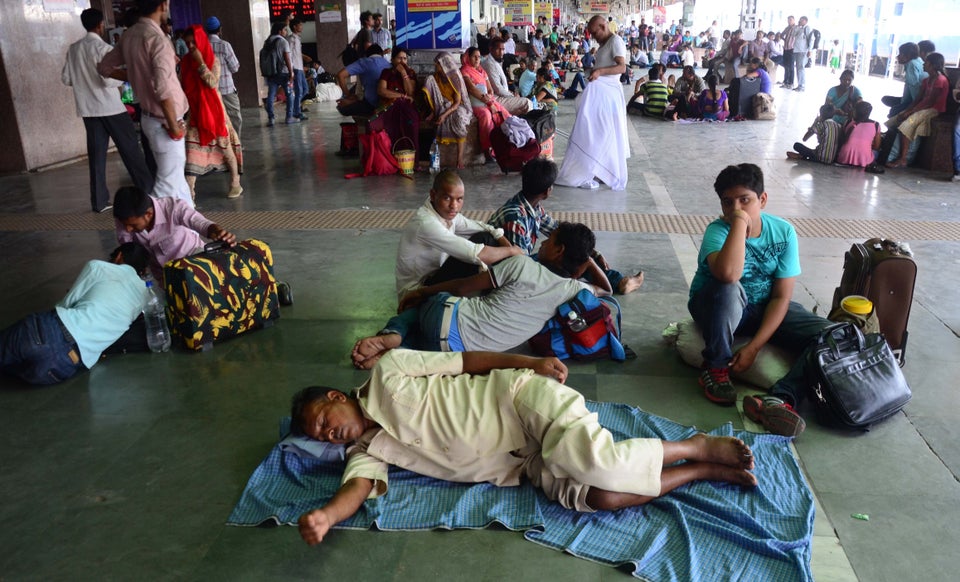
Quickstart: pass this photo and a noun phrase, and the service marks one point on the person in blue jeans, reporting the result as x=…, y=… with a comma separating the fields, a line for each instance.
x=747, y=268
x=283, y=79
x=50, y=347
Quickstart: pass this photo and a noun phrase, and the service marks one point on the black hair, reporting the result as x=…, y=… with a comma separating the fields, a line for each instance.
x=688, y=69
x=374, y=50
x=937, y=61
x=148, y=7
x=910, y=50
x=758, y=62
x=537, y=176
x=847, y=72
x=300, y=401
x=295, y=21
x=925, y=46
x=277, y=27
x=133, y=254
x=446, y=177
x=496, y=42
x=862, y=111
x=472, y=50
x=397, y=50
x=578, y=243
x=364, y=16
x=91, y=18
x=129, y=202
x=544, y=72
x=712, y=81
x=653, y=74
x=827, y=111
x=750, y=176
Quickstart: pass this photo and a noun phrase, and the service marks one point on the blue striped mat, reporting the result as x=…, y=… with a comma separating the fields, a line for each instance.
x=702, y=531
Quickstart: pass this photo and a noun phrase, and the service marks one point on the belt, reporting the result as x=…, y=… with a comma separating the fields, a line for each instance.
x=448, y=311
x=74, y=353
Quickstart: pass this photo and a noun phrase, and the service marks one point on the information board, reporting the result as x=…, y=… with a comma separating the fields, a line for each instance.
x=518, y=12
x=300, y=8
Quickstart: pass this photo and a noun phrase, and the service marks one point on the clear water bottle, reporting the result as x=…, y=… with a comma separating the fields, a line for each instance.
x=575, y=322
x=155, y=318
x=434, y=157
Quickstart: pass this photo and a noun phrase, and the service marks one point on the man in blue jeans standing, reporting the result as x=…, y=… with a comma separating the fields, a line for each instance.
x=284, y=77
x=296, y=63
x=747, y=267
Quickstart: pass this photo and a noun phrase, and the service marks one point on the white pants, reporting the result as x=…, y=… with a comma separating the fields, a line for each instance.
x=171, y=157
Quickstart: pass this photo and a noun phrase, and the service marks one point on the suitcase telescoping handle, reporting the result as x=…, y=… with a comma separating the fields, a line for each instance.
x=216, y=246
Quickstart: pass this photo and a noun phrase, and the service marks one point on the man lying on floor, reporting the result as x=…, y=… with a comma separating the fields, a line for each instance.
x=523, y=295
x=478, y=417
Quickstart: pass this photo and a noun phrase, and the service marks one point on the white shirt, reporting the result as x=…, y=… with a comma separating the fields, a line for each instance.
x=296, y=51
x=428, y=240
x=94, y=95
x=510, y=46
x=497, y=77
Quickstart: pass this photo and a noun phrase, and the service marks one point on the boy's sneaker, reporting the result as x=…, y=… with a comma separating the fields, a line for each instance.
x=717, y=386
x=774, y=414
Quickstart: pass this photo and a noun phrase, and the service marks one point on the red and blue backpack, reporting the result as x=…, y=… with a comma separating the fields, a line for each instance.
x=598, y=340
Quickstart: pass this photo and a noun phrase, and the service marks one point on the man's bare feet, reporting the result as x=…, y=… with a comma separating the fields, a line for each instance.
x=794, y=156
x=900, y=163
x=724, y=450
x=630, y=284
x=726, y=474
x=367, y=351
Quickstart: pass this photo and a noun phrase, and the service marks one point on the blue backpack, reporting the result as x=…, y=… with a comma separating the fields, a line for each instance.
x=598, y=337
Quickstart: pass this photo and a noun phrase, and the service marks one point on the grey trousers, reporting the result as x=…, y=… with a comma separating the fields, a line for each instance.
x=231, y=103
x=119, y=128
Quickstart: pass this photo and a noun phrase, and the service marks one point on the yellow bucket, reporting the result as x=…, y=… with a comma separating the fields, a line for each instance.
x=406, y=159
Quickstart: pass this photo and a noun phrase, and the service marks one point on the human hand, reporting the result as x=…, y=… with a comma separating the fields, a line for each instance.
x=740, y=214
x=314, y=526
x=551, y=368
x=601, y=262
x=744, y=358
x=217, y=233
x=178, y=131
x=594, y=75
x=410, y=299
x=195, y=53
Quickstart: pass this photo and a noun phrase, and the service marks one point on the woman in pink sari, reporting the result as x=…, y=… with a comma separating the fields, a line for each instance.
x=488, y=110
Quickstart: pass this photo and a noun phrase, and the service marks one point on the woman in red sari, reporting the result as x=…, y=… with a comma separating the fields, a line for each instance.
x=211, y=142
x=397, y=114
x=488, y=110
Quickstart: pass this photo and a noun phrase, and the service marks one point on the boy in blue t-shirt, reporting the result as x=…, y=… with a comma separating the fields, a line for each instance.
x=747, y=267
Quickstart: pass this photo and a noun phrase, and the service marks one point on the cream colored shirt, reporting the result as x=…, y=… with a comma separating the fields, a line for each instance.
x=439, y=422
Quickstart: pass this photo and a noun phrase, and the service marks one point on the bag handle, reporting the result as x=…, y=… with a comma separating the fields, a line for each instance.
x=216, y=246
x=842, y=333
x=393, y=150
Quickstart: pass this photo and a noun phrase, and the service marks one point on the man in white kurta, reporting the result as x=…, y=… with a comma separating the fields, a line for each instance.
x=598, y=147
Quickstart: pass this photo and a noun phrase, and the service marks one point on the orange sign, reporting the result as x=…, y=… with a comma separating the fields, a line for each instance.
x=433, y=5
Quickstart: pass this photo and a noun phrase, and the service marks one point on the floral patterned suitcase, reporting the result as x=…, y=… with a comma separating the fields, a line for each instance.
x=219, y=294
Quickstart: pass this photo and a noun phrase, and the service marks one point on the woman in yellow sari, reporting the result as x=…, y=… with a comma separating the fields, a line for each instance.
x=449, y=103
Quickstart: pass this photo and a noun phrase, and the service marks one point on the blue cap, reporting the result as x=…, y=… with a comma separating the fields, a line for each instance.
x=212, y=24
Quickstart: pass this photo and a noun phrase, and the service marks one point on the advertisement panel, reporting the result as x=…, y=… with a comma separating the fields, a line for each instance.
x=441, y=27
x=518, y=12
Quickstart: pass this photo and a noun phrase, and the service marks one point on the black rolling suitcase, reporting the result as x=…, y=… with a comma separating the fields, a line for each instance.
x=884, y=272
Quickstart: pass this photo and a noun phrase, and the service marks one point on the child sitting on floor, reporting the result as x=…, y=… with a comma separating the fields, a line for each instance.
x=546, y=91
x=860, y=137
x=828, y=138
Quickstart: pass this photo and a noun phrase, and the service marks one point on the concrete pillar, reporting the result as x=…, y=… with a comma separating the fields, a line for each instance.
x=332, y=37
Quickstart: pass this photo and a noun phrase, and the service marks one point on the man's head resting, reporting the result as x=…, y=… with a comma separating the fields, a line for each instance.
x=568, y=247
x=326, y=414
x=132, y=254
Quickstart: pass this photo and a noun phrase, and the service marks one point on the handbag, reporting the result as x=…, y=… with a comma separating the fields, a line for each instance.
x=855, y=378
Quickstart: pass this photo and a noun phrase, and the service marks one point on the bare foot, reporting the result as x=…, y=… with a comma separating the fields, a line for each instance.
x=794, y=156
x=897, y=164
x=726, y=474
x=368, y=350
x=724, y=450
x=630, y=284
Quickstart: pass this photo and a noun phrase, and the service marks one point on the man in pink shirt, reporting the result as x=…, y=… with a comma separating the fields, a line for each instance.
x=151, y=69
x=167, y=227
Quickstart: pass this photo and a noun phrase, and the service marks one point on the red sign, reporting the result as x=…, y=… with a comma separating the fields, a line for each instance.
x=301, y=8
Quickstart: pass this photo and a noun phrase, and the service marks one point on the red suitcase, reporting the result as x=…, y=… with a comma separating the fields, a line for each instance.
x=884, y=272
x=510, y=158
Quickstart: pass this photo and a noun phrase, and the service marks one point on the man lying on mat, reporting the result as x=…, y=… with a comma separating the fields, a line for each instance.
x=476, y=417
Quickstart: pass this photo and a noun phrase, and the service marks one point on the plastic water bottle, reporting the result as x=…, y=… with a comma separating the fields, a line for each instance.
x=576, y=323
x=155, y=318
x=434, y=157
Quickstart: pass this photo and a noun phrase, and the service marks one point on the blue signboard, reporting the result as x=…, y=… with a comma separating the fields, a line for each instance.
x=424, y=30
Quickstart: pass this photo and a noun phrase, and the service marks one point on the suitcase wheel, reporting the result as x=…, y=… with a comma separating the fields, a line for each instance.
x=284, y=293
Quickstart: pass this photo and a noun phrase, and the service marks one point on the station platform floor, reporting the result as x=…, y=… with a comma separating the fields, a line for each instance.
x=130, y=470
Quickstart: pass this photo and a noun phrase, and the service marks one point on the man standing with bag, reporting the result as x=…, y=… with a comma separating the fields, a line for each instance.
x=279, y=75
x=802, y=45
x=104, y=115
x=747, y=268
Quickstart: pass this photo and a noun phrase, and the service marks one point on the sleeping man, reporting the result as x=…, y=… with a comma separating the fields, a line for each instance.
x=477, y=417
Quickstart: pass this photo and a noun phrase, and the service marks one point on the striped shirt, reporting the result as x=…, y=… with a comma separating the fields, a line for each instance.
x=523, y=224
x=654, y=98
x=223, y=50
x=828, y=140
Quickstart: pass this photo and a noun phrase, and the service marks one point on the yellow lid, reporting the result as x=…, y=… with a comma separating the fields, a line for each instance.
x=857, y=304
